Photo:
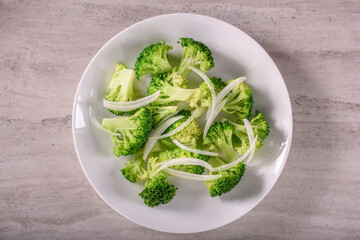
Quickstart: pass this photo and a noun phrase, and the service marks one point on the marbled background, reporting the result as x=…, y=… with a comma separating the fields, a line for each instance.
x=44, y=49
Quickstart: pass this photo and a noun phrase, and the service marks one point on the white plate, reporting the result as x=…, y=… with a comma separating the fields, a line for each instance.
x=192, y=210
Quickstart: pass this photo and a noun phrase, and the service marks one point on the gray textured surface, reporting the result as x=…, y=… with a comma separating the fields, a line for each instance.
x=45, y=47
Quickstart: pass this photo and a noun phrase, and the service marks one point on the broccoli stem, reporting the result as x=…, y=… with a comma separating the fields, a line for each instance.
x=228, y=151
x=183, y=69
x=113, y=124
x=163, y=64
x=175, y=94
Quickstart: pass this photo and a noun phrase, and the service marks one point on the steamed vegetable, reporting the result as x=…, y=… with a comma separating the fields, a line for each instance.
x=172, y=89
x=195, y=54
x=134, y=130
x=157, y=189
x=162, y=132
x=153, y=60
x=121, y=88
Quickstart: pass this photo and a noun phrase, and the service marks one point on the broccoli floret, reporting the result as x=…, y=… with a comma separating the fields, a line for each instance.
x=157, y=189
x=172, y=89
x=195, y=54
x=120, y=88
x=153, y=59
x=180, y=153
x=159, y=113
x=188, y=135
x=240, y=101
x=219, y=137
x=242, y=144
x=134, y=130
x=218, y=84
x=230, y=178
x=202, y=95
x=260, y=127
x=135, y=169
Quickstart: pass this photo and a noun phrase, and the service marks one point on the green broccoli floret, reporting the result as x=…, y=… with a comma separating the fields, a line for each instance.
x=260, y=127
x=172, y=89
x=240, y=101
x=230, y=178
x=219, y=137
x=159, y=113
x=202, y=95
x=135, y=169
x=153, y=59
x=188, y=135
x=195, y=54
x=157, y=189
x=134, y=130
x=180, y=153
x=120, y=88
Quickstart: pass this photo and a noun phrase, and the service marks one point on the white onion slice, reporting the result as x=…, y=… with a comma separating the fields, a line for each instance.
x=167, y=117
x=227, y=89
x=182, y=146
x=250, y=133
x=128, y=106
x=191, y=176
x=208, y=113
x=208, y=82
x=184, y=161
x=98, y=125
x=144, y=99
x=150, y=143
x=237, y=161
x=162, y=127
x=213, y=116
x=181, y=127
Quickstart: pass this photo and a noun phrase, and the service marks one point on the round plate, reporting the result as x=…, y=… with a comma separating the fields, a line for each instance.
x=192, y=210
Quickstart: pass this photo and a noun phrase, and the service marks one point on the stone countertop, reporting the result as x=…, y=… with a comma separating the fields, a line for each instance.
x=46, y=45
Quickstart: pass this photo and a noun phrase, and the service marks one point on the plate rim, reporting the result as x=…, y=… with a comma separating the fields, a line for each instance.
x=290, y=136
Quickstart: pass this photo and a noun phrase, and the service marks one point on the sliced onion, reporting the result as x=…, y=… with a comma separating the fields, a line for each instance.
x=182, y=146
x=98, y=125
x=181, y=127
x=167, y=117
x=227, y=89
x=208, y=113
x=250, y=133
x=191, y=176
x=208, y=82
x=150, y=143
x=128, y=106
x=183, y=161
x=237, y=161
x=213, y=116
x=162, y=127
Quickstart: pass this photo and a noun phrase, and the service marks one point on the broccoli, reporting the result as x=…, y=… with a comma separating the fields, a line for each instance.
x=260, y=127
x=134, y=130
x=157, y=189
x=230, y=178
x=134, y=169
x=219, y=137
x=172, y=89
x=153, y=59
x=159, y=113
x=195, y=54
x=180, y=153
x=188, y=135
x=240, y=101
x=202, y=95
x=120, y=88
